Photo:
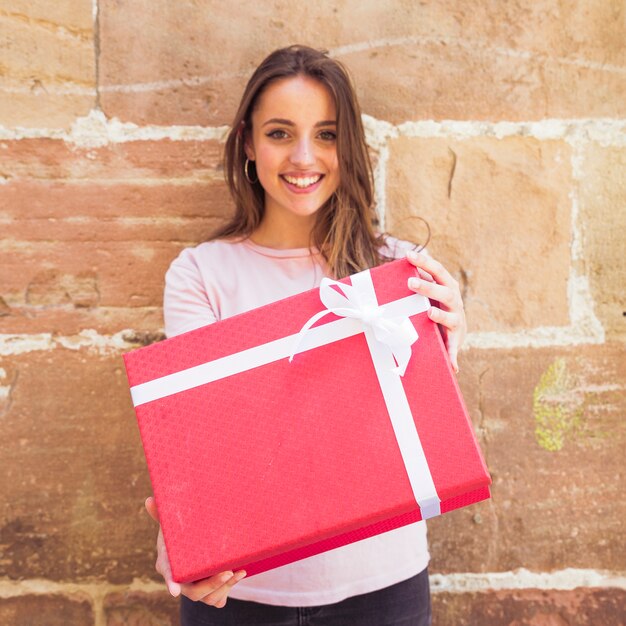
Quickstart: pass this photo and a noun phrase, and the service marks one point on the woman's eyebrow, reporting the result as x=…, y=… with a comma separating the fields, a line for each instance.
x=284, y=122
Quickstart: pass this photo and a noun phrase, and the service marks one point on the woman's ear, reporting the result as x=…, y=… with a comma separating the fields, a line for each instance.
x=247, y=140
x=249, y=150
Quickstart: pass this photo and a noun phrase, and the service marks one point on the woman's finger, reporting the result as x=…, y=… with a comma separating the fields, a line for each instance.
x=218, y=597
x=433, y=267
x=163, y=567
x=211, y=590
x=453, y=352
x=453, y=329
x=162, y=564
x=425, y=275
x=446, y=291
x=444, y=295
x=150, y=505
x=452, y=321
x=205, y=587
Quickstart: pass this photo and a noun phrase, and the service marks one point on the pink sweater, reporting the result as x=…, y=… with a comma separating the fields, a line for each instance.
x=218, y=279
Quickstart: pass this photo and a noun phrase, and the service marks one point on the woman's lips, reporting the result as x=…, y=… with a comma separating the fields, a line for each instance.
x=305, y=184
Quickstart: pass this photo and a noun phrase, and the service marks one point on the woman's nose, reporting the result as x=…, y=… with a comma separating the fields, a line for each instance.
x=302, y=153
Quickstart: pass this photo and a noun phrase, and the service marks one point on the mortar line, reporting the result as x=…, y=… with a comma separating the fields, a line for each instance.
x=472, y=45
x=581, y=305
x=96, y=45
x=377, y=136
x=380, y=186
x=566, y=579
x=201, y=178
x=39, y=586
x=14, y=344
x=560, y=580
x=98, y=130
x=576, y=161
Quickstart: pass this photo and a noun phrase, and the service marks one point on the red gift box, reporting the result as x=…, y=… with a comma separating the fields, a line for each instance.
x=257, y=461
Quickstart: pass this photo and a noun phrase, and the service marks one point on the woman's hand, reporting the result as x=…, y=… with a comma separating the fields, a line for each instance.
x=213, y=590
x=437, y=284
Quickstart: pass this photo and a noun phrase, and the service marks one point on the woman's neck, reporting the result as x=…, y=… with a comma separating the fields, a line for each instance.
x=284, y=234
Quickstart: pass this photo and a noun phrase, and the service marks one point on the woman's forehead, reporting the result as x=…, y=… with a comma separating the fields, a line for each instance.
x=296, y=98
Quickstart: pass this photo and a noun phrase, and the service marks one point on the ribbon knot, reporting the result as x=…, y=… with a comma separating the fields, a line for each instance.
x=397, y=333
x=371, y=314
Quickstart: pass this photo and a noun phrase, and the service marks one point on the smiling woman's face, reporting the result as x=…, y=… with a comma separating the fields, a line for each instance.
x=294, y=146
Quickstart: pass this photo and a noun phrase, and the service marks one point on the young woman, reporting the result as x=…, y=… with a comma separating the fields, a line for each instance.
x=299, y=172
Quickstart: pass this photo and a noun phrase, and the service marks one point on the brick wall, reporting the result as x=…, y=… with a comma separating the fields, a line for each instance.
x=502, y=124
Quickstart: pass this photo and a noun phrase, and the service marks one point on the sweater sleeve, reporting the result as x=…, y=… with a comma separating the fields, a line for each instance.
x=186, y=304
x=394, y=248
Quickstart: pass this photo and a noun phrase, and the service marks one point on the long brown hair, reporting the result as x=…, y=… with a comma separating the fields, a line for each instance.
x=344, y=227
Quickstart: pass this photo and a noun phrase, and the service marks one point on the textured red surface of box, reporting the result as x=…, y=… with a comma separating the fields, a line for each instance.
x=286, y=460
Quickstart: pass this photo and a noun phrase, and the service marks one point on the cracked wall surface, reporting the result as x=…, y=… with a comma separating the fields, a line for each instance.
x=502, y=126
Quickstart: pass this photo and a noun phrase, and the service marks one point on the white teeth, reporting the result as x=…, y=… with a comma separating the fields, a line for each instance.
x=302, y=182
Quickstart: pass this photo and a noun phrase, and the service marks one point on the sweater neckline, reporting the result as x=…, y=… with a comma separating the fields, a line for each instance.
x=280, y=252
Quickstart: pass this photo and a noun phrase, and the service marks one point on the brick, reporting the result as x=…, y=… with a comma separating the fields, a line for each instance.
x=602, y=190
x=123, y=274
x=123, y=277
x=410, y=60
x=88, y=233
x=499, y=212
x=67, y=210
x=46, y=610
x=549, y=424
x=443, y=77
x=73, y=15
x=579, y=607
x=49, y=73
x=74, y=476
x=34, y=109
x=65, y=320
x=132, y=161
x=62, y=206
x=197, y=83
x=50, y=287
x=137, y=608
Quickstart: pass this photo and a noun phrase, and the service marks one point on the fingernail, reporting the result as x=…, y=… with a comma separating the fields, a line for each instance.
x=173, y=588
x=239, y=575
x=226, y=576
x=414, y=283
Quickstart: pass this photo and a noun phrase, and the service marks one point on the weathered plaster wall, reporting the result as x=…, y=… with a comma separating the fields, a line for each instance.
x=502, y=124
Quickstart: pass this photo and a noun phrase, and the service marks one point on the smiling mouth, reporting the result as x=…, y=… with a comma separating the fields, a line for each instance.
x=304, y=182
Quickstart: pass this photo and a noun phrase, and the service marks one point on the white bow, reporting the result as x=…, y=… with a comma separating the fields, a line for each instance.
x=398, y=333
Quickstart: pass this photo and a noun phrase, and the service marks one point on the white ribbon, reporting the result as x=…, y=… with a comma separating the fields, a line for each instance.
x=389, y=340
x=395, y=332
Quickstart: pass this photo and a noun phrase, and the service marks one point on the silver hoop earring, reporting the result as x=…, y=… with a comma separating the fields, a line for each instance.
x=247, y=173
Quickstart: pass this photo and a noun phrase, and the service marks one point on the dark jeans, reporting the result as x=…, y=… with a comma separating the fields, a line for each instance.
x=403, y=604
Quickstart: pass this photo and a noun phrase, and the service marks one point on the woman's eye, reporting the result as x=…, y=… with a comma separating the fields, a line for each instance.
x=328, y=135
x=277, y=134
